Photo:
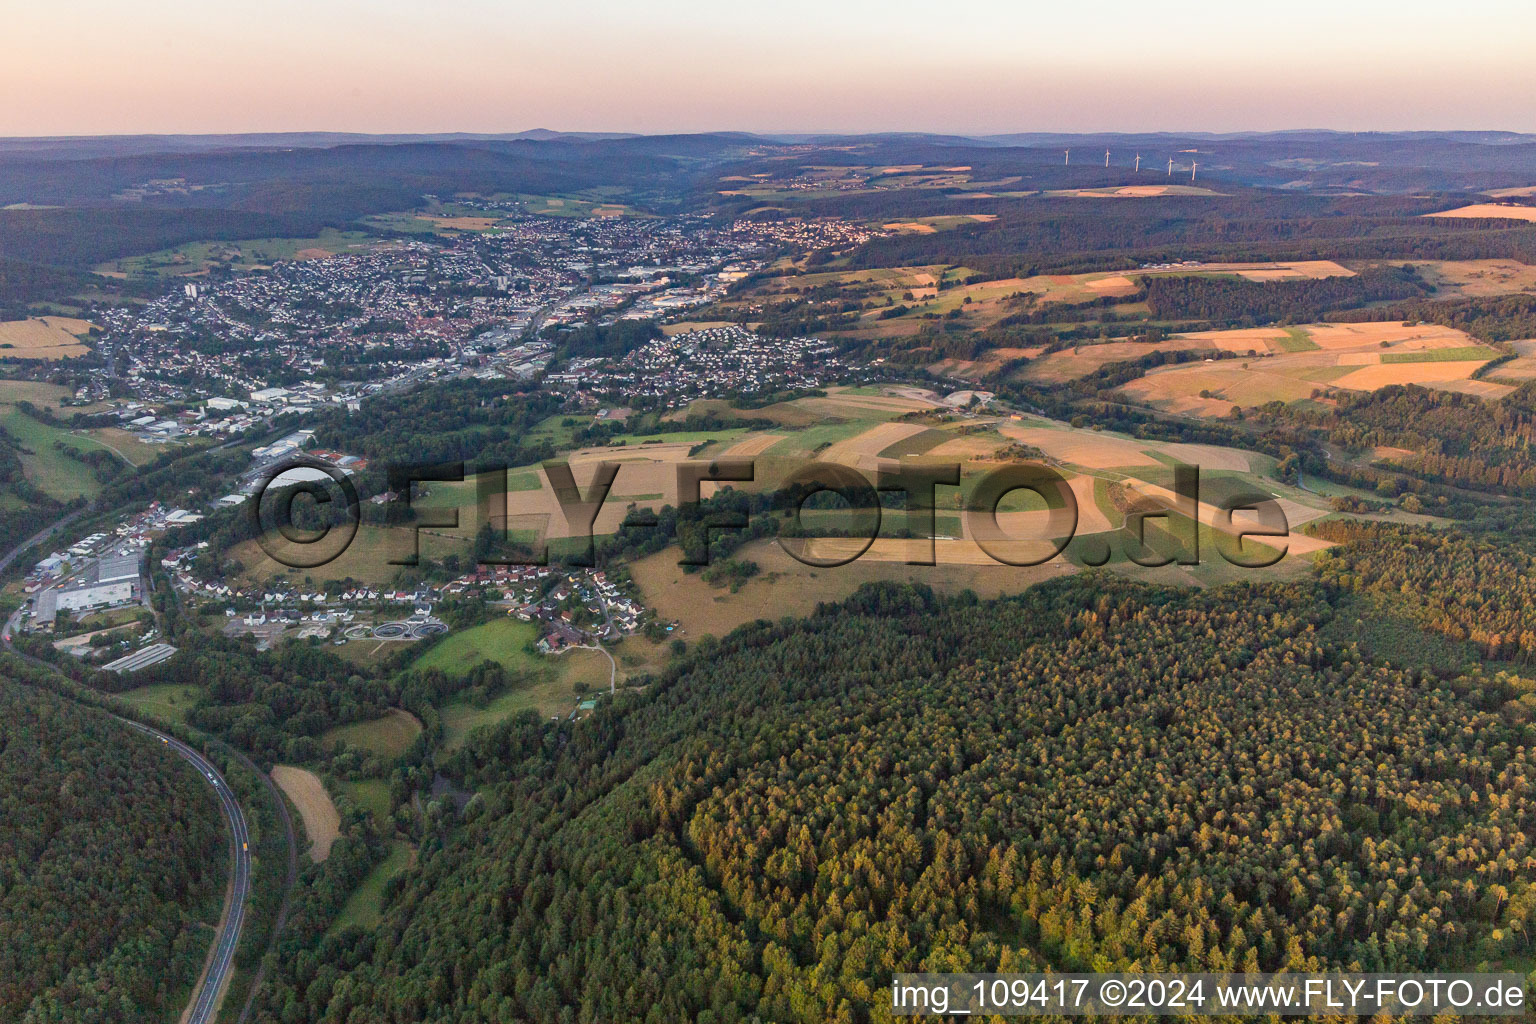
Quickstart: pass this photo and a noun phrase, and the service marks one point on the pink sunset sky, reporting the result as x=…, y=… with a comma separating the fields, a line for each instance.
x=91, y=67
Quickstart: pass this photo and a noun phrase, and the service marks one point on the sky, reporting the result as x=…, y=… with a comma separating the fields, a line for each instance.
x=92, y=67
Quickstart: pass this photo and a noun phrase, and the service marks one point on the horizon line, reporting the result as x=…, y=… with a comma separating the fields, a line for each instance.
x=768, y=134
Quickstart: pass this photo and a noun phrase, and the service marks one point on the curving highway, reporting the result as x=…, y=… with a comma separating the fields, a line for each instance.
x=205, y=1000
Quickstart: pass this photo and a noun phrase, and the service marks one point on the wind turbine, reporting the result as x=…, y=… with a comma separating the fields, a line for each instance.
x=1192, y=166
x=1069, y=157
x=1138, y=163
x=1170, y=167
x=1106, y=158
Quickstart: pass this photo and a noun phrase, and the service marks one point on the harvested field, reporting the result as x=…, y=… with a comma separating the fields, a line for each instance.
x=754, y=444
x=1520, y=368
x=647, y=472
x=1477, y=278
x=321, y=821
x=1242, y=340
x=1369, y=378
x=1490, y=211
x=1385, y=334
x=1135, y=192
x=48, y=337
x=866, y=447
x=1207, y=456
x=971, y=446
x=1295, y=362
x=1070, y=364
x=1485, y=389
x=1179, y=389
x=463, y=223
x=1296, y=515
x=788, y=587
x=1295, y=270
x=843, y=406
x=1118, y=284
x=1080, y=447
x=921, y=443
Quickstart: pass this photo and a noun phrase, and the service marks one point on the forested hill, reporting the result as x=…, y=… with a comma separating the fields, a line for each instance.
x=1093, y=775
x=111, y=853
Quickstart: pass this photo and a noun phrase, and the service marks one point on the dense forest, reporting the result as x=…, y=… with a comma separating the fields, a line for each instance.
x=1096, y=775
x=472, y=420
x=112, y=864
x=1466, y=588
x=1235, y=301
x=1447, y=438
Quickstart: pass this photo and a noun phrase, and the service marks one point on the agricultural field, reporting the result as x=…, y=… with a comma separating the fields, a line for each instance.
x=1291, y=364
x=552, y=692
x=194, y=259
x=1521, y=368
x=53, y=471
x=168, y=702
x=787, y=587
x=988, y=362
x=1294, y=270
x=570, y=206
x=685, y=326
x=1490, y=211
x=372, y=795
x=388, y=737
x=932, y=225
x=45, y=338
x=938, y=290
x=1072, y=363
x=366, y=559
x=322, y=822
x=1466, y=279
x=366, y=904
x=1108, y=473
x=816, y=182
x=127, y=444
x=1134, y=192
x=502, y=640
x=461, y=223
x=44, y=395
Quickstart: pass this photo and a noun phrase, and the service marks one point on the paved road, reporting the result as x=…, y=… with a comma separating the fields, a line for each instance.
x=40, y=536
x=206, y=999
